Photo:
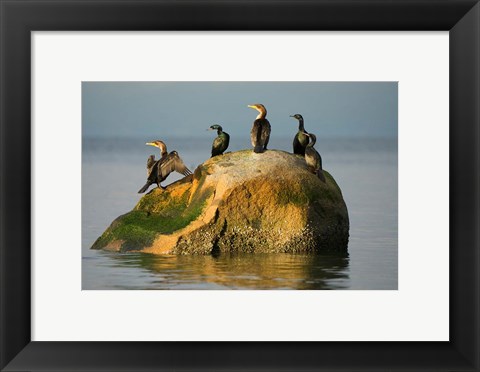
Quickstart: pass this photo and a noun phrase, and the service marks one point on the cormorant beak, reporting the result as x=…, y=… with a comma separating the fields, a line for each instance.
x=151, y=144
x=253, y=107
x=292, y=116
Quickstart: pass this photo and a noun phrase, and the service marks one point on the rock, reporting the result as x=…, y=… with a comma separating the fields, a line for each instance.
x=237, y=202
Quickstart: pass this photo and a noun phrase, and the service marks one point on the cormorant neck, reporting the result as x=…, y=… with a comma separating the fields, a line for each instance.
x=261, y=115
x=300, y=125
x=163, y=150
x=219, y=131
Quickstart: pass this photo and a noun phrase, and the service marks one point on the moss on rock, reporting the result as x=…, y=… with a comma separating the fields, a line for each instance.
x=158, y=212
x=238, y=202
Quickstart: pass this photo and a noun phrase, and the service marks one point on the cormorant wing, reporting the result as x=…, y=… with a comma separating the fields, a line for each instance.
x=265, y=132
x=153, y=171
x=150, y=163
x=297, y=147
x=226, y=140
x=255, y=133
x=172, y=162
x=217, y=143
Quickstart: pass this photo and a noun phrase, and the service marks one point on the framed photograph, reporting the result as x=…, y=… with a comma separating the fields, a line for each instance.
x=341, y=162
x=228, y=217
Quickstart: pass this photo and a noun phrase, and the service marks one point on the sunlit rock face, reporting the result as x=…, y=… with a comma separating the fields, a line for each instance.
x=237, y=202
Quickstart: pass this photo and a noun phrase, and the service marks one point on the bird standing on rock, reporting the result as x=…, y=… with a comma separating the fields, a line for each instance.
x=220, y=143
x=300, y=141
x=260, y=133
x=313, y=158
x=159, y=170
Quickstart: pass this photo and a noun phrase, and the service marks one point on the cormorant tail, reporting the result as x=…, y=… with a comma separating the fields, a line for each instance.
x=144, y=188
x=258, y=149
x=321, y=175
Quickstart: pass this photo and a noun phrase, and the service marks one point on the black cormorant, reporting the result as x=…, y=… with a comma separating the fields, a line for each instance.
x=159, y=170
x=260, y=133
x=313, y=158
x=220, y=143
x=301, y=139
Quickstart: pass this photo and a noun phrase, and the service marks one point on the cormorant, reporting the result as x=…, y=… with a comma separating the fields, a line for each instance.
x=313, y=158
x=260, y=133
x=159, y=170
x=220, y=143
x=300, y=141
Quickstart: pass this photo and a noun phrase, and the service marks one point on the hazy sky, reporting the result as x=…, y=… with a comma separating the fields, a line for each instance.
x=156, y=109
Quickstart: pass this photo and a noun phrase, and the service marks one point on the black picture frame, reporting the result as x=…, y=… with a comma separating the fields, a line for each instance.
x=20, y=17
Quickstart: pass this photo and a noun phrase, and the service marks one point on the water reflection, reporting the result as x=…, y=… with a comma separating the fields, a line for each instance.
x=238, y=271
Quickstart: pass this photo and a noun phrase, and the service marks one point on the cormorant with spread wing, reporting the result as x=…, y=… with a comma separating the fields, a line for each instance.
x=159, y=170
x=300, y=141
x=260, y=133
x=220, y=143
x=313, y=158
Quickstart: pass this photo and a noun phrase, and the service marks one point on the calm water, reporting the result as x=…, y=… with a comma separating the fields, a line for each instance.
x=365, y=169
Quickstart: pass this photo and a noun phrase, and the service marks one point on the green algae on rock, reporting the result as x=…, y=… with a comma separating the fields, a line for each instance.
x=238, y=202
